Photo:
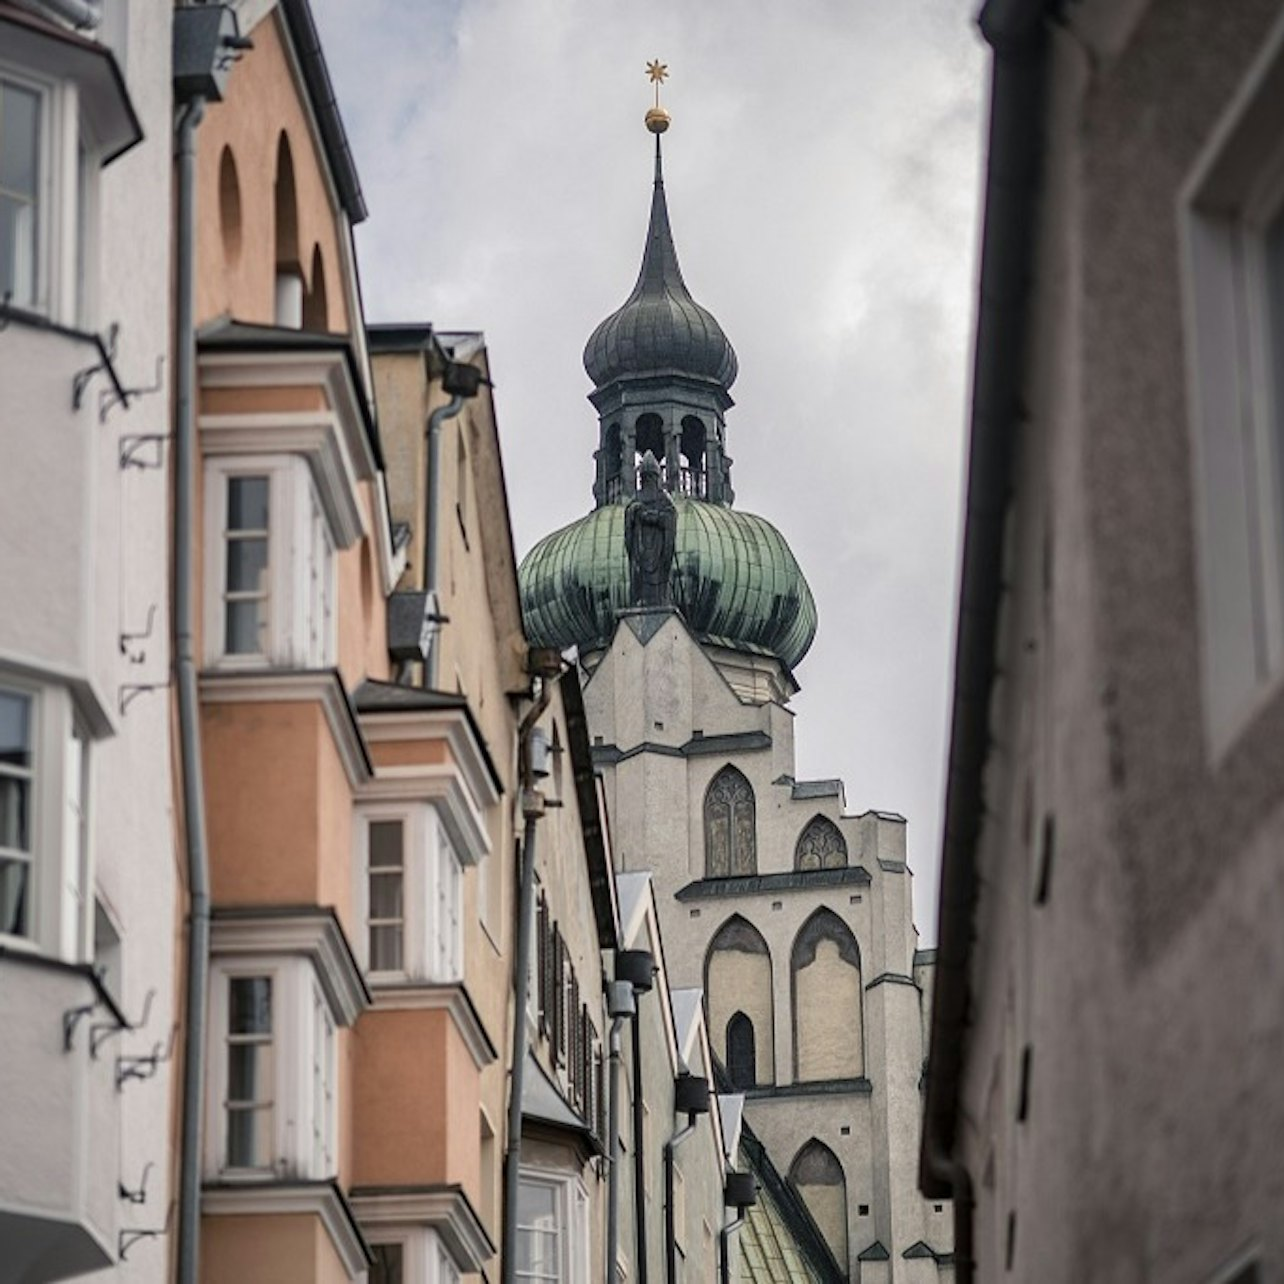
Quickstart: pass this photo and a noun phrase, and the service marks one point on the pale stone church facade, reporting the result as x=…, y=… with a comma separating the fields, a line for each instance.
x=793, y=916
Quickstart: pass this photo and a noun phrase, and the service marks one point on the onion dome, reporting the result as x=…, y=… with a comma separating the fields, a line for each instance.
x=660, y=329
x=734, y=580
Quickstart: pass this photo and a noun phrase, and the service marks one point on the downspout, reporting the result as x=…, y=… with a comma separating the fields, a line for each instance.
x=185, y=469
x=532, y=810
x=724, y=1245
x=1016, y=31
x=623, y=1003
x=432, y=506
x=670, y=1224
x=639, y=1154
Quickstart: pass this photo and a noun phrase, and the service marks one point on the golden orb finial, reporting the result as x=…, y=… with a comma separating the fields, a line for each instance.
x=657, y=119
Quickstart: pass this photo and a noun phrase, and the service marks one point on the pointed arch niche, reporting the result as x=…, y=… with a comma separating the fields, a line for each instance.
x=821, y=845
x=730, y=826
x=818, y=1177
x=825, y=986
x=737, y=995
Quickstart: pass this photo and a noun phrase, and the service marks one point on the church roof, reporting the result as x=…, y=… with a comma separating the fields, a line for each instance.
x=660, y=328
x=734, y=579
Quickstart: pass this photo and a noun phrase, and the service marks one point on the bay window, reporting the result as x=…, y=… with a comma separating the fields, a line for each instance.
x=269, y=565
x=272, y=1101
x=410, y=894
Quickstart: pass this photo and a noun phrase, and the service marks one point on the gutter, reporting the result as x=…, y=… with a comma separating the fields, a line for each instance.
x=1016, y=31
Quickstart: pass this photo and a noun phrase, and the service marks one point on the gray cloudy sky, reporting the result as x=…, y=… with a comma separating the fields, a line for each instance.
x=822, y=173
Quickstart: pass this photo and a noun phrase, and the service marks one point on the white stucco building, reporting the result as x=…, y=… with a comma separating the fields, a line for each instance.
x=89, y=907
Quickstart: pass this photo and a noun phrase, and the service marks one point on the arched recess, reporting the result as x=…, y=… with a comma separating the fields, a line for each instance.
x=730, y=826
x=229, y=206
x=827, y=993
x=614, y=458
x=648, y=434
x=316, y=307
x=288, y=310
x=821, y=845
x=692, y=449
x=742, y=1057
x=818, y=1177
x=737, y=985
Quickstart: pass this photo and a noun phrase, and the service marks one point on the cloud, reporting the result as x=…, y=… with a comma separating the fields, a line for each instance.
x=822, y=173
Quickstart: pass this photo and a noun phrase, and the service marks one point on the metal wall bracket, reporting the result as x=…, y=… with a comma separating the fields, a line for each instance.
x=106, y=357
x=131, y=448
x=126, y=1239
x=70, y=1020
x=139, y=1195
x=130, y=691
x=100, y=1032
x=110, y=398
x=139, y=655
x=146, y=1065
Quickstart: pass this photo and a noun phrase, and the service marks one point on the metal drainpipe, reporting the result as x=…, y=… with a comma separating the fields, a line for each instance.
x=613, y=1141
x=532, y=810
x=432, y=505
x=639, y=1154
x=670, y=1223
x=185, y=468
x=724, y=1241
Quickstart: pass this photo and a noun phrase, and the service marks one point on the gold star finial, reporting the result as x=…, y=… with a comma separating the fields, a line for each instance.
x=657, y=119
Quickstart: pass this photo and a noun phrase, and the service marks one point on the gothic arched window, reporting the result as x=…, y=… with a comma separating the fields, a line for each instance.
x=730, y=838
x=741, y=1057
x=820, y=846
x=818, y=1177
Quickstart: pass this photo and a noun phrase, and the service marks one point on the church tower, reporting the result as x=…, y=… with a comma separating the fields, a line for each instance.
x=793, y=915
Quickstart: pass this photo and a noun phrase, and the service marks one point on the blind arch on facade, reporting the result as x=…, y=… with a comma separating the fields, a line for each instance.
x=827, y=996
x=738, y=984
x=730, y=826
x=818, y=1177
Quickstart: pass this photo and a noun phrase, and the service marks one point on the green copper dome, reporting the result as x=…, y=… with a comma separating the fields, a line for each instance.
x=734, y=580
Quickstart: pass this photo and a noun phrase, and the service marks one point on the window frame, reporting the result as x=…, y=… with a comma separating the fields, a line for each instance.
x=297, y=1098
x=1225, y=209
x=570, y=1209
x=424, y=1258
x=60, y=862
x=431, y=871
x=297, y=589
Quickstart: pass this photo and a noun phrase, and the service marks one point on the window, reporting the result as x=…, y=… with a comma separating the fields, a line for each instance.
x=741, y=1059
x=272, y=1109
x=1233, y=223
x=387, y=886
x=44, y=850
x=730, y=839
x=415, y=1256
x=251, y=1078
x=20, y=178
x=269, y=564
x=552, y=1229
x=16, y=777
x=411, y=894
